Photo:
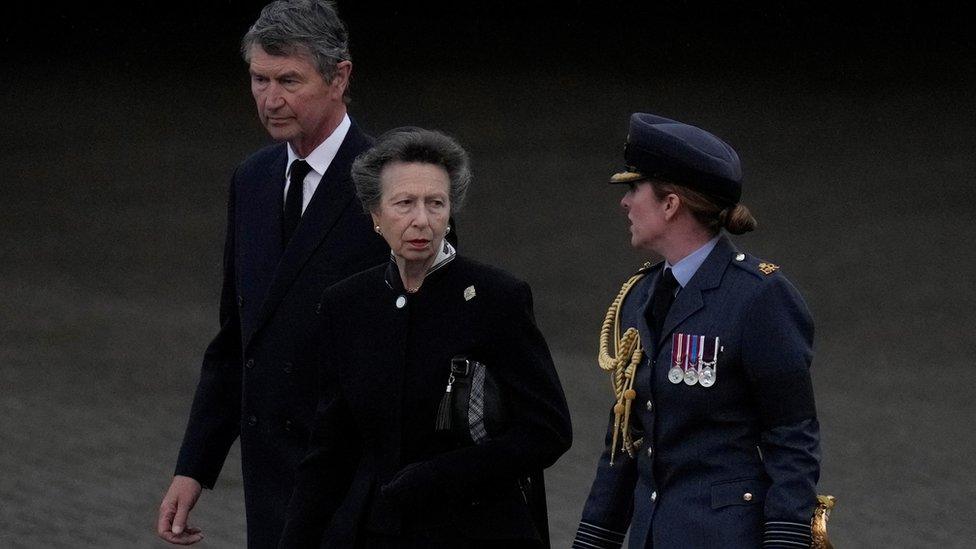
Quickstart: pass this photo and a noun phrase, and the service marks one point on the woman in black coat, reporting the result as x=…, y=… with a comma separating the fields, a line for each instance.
x=380, y=471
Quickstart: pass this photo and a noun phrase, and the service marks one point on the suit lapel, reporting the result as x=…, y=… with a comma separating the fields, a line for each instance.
x=691, y=299
x=332, y=197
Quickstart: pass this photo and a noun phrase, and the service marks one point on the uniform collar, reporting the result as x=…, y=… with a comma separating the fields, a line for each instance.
x=686, y=268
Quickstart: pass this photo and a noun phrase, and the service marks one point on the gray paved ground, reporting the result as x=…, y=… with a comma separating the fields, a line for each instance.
x=859, y=171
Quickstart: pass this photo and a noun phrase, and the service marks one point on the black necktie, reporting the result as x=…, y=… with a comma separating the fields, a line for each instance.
x=293, y=201
x=661, y=301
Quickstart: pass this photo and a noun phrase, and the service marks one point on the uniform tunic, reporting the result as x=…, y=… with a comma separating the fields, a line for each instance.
x=731, y=465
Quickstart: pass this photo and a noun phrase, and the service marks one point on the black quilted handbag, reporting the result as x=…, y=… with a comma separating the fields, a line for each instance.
x=471, y=408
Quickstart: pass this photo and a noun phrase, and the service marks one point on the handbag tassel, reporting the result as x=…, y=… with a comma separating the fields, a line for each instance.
x=444, y=408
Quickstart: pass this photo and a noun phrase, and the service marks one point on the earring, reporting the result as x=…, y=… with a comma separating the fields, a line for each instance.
x=448, y=231
x=378, y=230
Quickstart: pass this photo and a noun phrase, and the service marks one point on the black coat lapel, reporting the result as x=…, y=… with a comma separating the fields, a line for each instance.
x=259, y=210
x=333, y=196
x=690, y=299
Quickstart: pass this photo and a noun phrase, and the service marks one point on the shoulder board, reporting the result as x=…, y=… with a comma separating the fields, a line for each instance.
x=754, y=265
x=646, y=268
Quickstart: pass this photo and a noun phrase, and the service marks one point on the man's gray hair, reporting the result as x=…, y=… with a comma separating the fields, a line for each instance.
x=302, y=27
x=411, y=145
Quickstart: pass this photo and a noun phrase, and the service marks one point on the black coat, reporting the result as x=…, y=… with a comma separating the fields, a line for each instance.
x=375, y=464
x=257, y=378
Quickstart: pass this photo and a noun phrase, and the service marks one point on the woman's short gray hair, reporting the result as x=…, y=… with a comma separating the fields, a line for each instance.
x=300, y=27
x=411, y=144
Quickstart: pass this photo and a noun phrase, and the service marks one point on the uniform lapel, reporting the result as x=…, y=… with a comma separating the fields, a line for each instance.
x=690, y=299
x=332, y=197
x=634, y=316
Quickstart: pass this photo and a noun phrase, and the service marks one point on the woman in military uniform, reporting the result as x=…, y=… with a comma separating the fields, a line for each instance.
x=385, y=466
x=713, y=440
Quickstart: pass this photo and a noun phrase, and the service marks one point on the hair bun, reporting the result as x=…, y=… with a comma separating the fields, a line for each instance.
x=738, y=219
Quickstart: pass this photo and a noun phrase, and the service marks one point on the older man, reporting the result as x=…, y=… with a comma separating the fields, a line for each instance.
x=293, y=228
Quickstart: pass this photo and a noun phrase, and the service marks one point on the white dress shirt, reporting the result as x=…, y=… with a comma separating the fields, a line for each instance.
x=319, y=159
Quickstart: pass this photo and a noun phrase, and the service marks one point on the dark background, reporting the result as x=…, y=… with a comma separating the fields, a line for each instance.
x=122, y=124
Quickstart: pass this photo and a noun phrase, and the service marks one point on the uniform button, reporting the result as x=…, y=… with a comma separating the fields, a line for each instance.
x=747, y=496
x=249, y=364
x=650, y=405
x=289, y=368
x=401, y=302
x=650, y=451
x=740, y=257
x=653, y=496
x=253, y=420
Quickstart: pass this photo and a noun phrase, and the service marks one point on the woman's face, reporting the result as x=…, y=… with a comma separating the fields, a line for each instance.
x=646, y=213
x=414, y=209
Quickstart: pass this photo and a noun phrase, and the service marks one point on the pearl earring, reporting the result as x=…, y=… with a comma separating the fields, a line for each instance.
x=378, y=230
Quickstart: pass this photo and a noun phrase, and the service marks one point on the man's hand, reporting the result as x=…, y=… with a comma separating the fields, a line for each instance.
x=174, y=510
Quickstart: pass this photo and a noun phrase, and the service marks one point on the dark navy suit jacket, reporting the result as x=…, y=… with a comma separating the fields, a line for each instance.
x=258, y=380
x=731, y=465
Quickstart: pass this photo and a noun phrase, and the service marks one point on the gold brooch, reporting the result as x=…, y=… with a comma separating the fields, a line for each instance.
x=768, y=268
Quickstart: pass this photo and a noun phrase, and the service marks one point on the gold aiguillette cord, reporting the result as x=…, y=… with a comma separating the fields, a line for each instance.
x=627, y=354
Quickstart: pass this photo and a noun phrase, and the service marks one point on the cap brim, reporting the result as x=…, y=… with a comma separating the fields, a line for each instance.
x=627, y=177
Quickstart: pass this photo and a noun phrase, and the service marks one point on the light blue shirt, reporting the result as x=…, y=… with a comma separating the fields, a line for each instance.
x=687, y=267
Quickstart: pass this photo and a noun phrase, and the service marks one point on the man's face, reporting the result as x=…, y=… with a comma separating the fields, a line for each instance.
x=294, y=101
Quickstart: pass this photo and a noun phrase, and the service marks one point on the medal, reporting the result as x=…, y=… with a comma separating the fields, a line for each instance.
x=709, y=368
x=693, y=363
x=707, y=377
x=675, y=374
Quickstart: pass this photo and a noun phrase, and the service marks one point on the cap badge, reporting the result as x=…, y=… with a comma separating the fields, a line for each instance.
x=469, y=293
x=768, y=268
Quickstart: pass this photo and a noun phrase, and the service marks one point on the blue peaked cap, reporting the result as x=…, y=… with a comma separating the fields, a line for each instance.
x=668, y=150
